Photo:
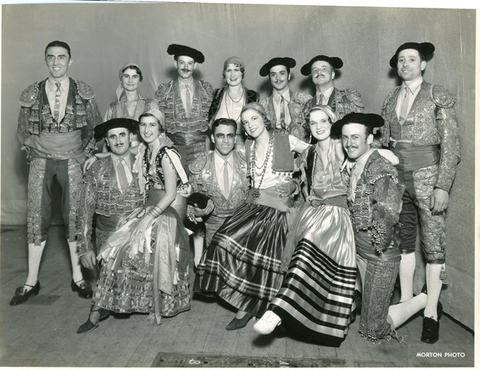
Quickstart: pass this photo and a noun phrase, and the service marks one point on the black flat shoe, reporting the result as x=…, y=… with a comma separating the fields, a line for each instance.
x=83, y=288
x=236, y=324
x=89, y=326
x=22, y=295
x=430, y=330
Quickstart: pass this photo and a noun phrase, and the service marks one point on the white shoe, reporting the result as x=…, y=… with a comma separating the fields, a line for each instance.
x=267, y=324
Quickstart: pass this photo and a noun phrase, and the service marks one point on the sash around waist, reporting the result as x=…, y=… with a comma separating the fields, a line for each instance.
x=270, y=197
x=415, y=157
x=109, y=223
x=365, y=248
x=339, y=201
x=56, y=146
x=189, y=138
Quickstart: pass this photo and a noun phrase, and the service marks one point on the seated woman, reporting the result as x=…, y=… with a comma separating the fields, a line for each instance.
x=229, y=100
x=146, y=266
x=316, y=297
x=129, y=103
x=244, y=263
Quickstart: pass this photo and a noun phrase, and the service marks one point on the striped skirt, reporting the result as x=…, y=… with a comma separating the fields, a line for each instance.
x=316, y=297
x=242, y=265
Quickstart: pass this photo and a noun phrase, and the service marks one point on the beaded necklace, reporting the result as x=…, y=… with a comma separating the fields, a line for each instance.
x=233, y=102
x=263, y=167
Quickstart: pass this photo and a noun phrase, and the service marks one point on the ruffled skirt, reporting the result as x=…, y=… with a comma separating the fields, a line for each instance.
x=147, y=277
x=243, y=264
x=316, y=297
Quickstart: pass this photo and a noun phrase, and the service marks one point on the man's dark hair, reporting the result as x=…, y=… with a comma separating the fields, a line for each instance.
x=223, y=121
x=61, y=44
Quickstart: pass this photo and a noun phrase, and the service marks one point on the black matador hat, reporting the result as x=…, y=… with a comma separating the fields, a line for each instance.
x=335, y=62
x=285, y=61
x=425, y=48
x=366, y=119
x=178, y=50
x=102, y=129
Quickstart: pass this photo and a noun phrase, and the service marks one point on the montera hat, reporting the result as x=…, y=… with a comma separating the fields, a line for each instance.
x=178, y=50
x=425, y=48
x=102, y=129
x=335, y=62
x=367, y=119
x=285, y=61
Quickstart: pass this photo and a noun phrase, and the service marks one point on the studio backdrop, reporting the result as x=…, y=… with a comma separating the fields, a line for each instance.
x=105, y=36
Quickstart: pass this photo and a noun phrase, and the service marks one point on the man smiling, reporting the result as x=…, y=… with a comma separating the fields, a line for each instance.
x=322, y=68
x=421, y=129
x=185, y=102
x=222, y=176
x=110, y=189
x=55, y=128
x=284, y=107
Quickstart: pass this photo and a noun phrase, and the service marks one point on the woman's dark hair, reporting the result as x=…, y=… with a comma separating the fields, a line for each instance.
x=139, y=72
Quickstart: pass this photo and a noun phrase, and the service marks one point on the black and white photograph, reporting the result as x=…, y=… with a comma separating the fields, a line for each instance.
x=236, y=185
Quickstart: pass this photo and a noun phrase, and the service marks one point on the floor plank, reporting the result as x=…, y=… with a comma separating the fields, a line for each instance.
x=42, y=332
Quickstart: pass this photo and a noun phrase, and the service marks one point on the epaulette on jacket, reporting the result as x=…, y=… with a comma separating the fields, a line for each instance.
x=354, y=96
x=84, y=90
x=29, y=95
x=198, y=165
x=442, y=97
x=380, y=167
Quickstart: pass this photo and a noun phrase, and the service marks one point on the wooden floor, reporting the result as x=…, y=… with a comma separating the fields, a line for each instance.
x=42, y=332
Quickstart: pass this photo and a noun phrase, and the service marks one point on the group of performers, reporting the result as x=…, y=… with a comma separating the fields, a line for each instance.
x=302, y=210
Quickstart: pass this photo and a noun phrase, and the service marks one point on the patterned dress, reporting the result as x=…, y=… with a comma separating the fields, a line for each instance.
x=244, y=262
x=316, y=297
x=151, y=275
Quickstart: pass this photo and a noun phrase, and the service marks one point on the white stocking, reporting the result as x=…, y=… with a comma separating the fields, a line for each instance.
x=197, y=248
x=401, y=312
x=407, y=270
x=35, y=253
x=76, y=269
x=434, y=287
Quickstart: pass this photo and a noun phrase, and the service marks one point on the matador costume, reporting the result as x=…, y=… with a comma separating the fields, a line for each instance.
x=428, y=147
x=55, y=149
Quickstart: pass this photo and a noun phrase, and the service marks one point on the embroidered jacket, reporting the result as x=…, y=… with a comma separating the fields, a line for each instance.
x=203, y=179
x=81, y=113
x=251, y=97
x=378, y=202
x=296, y=105
x=100, y=194
x=431, y=121
x=342, y=102
x=170, y=103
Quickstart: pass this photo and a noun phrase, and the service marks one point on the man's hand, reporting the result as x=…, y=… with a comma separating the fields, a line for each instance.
x=88, y=260
x=193, y=212
x=439, y=201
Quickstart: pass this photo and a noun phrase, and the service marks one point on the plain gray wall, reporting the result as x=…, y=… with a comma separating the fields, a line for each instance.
x=105, y=36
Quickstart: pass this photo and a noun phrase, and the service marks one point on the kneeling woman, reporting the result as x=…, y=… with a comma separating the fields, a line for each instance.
x=146, y=260
x=243, y=264
x=316, y=297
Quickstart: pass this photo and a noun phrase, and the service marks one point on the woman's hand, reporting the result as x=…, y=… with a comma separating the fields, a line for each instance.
x=138, y=234
x=88, y=163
